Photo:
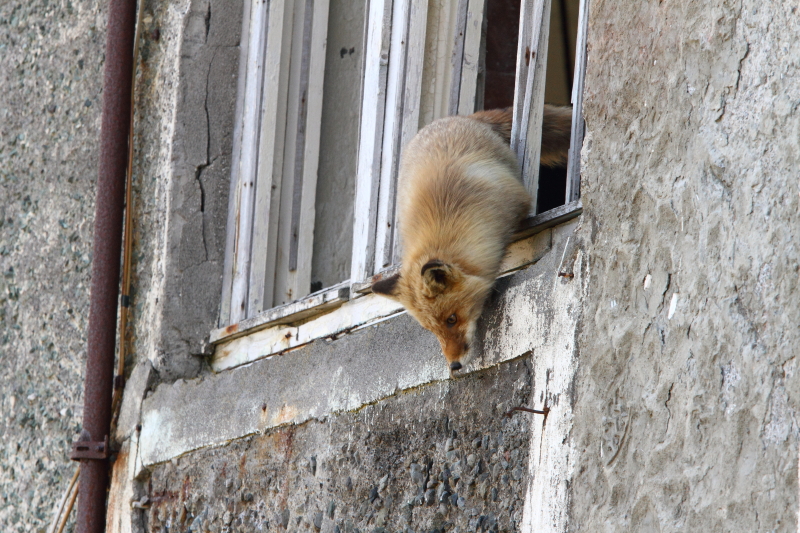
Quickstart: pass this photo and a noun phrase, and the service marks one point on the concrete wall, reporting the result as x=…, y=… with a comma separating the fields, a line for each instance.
x=383, y=466
x=687, y=394
x=51, y=64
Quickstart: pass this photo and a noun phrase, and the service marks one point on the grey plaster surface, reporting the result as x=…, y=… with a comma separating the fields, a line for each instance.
x=199, y=182
x=687, y=395
x=51, y=64
x=185, y=101
x=307, y=383
x=438, y=458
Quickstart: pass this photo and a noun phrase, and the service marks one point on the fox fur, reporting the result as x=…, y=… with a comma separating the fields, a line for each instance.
x=460, y=199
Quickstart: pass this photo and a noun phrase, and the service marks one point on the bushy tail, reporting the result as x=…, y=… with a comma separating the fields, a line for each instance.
x=556, y=129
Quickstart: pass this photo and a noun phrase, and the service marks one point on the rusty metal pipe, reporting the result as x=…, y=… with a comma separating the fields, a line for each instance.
x=108, y=223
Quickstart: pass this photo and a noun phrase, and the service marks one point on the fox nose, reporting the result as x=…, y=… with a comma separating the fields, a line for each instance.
x=455, y=365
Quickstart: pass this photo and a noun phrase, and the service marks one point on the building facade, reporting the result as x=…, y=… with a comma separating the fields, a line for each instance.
x=657, y=324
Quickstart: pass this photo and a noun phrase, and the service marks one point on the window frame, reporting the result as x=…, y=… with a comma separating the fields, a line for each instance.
x=390, y=112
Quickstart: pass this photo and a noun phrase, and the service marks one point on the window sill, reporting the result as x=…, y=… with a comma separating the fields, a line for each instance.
x=346, y=306
x=293, y=312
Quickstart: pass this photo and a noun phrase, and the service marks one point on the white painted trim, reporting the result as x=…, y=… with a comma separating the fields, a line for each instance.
x=371, y=137
x=244, y=215
x=270, y=158
x=526, y=134
x=233, y=208
x=470, y=65
x=294, y=312
x=301, y=276
x=457, y=60
x=576, y=140
x=442, y=69
x=277, y=339
x=295, y=139
x=415, y=63
x=392, y=128
x=301, y=154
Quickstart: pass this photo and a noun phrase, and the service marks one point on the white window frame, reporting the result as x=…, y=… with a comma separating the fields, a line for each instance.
x=390, y=115
x=274, y=175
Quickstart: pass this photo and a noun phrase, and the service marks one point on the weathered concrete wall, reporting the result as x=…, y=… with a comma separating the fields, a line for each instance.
x=186, y=97
x=51, y=64
x=462, y=465
x=687, y=395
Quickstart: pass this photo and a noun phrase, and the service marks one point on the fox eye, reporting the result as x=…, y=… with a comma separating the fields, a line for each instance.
x=451, y=320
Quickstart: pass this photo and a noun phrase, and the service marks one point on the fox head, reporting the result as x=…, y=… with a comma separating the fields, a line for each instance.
x=444, y=299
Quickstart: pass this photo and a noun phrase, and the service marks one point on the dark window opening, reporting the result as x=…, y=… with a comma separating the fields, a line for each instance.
x=502, y=29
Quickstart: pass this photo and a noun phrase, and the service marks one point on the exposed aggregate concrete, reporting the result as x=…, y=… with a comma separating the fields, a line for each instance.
x=441, y=457
x=51, y=64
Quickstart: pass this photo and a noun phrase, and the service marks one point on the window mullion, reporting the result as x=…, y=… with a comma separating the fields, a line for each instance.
x=305, y=219
x=415, y=61
x=526, y=132
x=392, y=128
x=233, y=207
x=270, y=158
x=241, y=253
x=301, y=159
x=371, y=137
x=471, y=57
x=576, y=140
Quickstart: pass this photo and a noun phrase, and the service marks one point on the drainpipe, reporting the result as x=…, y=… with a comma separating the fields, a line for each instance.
x=92, y=450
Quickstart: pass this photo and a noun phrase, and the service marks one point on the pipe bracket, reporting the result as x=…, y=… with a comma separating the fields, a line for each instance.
x=95, y=450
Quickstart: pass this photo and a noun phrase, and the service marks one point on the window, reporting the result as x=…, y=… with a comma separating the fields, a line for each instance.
x=330, y=92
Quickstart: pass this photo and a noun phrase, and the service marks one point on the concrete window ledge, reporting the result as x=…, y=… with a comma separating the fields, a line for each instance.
x=534, y=311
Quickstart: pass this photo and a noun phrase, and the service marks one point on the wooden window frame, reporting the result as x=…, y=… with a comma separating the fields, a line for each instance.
x=390, y=115
x=276, y=153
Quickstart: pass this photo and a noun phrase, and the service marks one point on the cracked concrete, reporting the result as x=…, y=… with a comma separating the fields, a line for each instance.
x=195, y=176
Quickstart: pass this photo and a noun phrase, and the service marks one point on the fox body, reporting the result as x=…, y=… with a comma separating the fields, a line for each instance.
x=460, y=199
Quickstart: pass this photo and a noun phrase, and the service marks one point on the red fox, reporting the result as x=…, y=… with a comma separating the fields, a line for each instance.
x=460, y=199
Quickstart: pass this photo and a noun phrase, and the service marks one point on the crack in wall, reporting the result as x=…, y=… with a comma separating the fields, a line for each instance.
x=209, y=160
x=666, y=404
x=207, y=20
x=739, y=68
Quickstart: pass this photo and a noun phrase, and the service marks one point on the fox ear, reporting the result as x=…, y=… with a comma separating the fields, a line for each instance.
x=388, y=287
x=436, y=276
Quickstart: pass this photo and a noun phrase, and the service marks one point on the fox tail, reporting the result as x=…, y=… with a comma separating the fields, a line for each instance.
x=556, y=130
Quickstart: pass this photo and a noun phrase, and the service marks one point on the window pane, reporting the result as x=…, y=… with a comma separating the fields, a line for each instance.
x=333, y=230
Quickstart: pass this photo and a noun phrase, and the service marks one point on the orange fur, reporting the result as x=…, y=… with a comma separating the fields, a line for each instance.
x=460, y=198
